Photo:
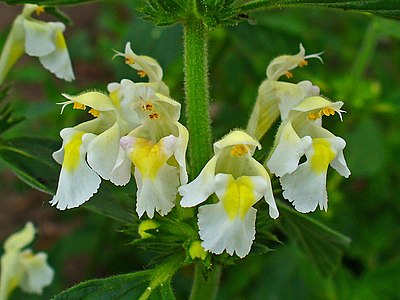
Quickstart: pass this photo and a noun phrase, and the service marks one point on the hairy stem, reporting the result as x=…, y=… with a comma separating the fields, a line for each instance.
x=197, y=99
x=206, y=283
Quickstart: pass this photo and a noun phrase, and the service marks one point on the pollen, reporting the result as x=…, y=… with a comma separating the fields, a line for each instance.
x=129, y=60
x=78, y=105
x=141, y=73
x=313, y=116
x=147, y=106
x=327, y=111
x=239, y=150
x=154, y=116
x=39, y=10
x=303, y=63
x=94, y=112
x=288, y=74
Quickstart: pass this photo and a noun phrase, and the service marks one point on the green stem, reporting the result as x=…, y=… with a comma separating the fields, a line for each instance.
x=206, y=283
x=196, y=88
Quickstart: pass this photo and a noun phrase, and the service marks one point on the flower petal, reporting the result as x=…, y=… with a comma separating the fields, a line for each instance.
x=77, y=182
x=288, y=150
x=38, y=274
x=236, y=137
x=96, y=100
x=102, y=151
x=220, y=233
x=180, y=152
x=201, y=188
x=121, y=173
x=305, y=188
x=20, y=239
x=157, y=194
x=39, y=35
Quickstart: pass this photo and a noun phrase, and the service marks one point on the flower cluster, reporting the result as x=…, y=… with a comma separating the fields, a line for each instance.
x=44, y=40
x=21, y=268
x=135, y=126
x=136, y=130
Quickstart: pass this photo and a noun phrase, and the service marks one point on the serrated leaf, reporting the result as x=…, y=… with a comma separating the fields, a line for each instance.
x=322, y=245
x=149, y=284
x=386, y=8
x=30, y=159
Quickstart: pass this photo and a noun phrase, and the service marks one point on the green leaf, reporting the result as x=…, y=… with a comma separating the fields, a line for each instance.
x=113, y=203
x=7, y=119
x=386, y=8
x=48, y=2
x=149, y=284
x=322, y=245
x=30, y=159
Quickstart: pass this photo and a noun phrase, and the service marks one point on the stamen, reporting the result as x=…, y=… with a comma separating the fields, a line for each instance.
x=327, y=111
x=141, y=73
x=78, y=105
x=147, y=106
x=129, y=60
x=288, y=74
x=154, y=116
x=94, y=112
x=313, y=116
x=303, y=63
x=39, y=10
x=239, y=150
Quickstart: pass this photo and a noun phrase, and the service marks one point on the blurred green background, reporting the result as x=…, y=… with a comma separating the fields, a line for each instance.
x=361, y=68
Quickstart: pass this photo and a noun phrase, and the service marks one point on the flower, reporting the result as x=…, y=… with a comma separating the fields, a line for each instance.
x=23, y=268
x=40, y=39
x=282, y=65
x=239, y=181
x=157, y=150
x=146, y=66
x=277, y=98
x=302, y=134
x=89, y=150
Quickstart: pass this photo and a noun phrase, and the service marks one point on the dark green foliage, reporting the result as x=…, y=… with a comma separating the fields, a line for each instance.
x=151, y=284
x=323, y=246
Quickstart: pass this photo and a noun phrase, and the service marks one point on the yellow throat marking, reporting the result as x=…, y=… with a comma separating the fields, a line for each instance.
x=72, y=152
x=239, y=197
x=148, y=157
x=323, y=155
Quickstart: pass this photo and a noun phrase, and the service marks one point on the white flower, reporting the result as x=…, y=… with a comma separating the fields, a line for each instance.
x=91, y=150
x=277, y=98
x=282, y=65
x=146, y=66
x=239, y=182
x=157, y=150
x=302, y=134
x=40, y=39
x=23, y=268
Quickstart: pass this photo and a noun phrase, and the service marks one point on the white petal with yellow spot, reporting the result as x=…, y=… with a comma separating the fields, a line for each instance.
x=77, y=182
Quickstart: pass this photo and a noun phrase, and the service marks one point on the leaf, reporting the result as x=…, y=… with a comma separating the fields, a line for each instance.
x=30, y=159
x=7, y=119
x=149, y=284
x=322, y=245
x=109, y=201
x=386, y=8
x=48, y=2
